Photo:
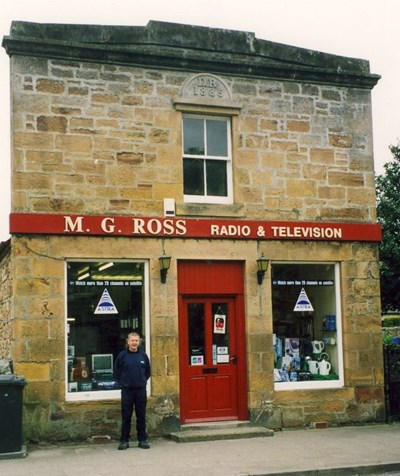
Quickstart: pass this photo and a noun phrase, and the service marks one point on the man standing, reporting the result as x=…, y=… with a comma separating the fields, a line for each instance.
x=132, y=370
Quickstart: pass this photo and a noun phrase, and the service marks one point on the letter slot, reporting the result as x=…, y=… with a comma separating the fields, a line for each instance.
x=210, y=371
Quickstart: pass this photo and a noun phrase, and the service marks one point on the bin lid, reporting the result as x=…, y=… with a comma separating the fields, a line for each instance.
x=12, y=380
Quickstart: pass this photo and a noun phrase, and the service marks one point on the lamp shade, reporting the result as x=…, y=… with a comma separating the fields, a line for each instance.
x=262, y=263
x=165, y=262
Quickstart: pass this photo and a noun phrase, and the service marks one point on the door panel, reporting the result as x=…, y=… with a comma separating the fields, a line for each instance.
x=198, y=393
x=209, y=371
x=222, y=399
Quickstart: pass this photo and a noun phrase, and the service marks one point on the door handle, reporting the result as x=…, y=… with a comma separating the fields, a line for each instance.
x=233, y=359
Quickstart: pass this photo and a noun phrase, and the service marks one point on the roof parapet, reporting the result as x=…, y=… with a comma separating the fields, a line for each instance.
x=187, y=47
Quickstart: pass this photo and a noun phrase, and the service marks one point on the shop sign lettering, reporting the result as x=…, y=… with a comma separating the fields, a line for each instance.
x=332, y=233
x=31, y=223
x=302, y=282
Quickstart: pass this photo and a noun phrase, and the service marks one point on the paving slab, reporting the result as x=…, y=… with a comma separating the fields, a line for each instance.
x=372, y=449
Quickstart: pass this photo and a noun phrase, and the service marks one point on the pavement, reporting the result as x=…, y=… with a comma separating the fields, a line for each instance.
x=351, y=450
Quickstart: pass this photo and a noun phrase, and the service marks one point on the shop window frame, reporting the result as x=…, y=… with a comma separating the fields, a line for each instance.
x=106, y=394
x=316, y=384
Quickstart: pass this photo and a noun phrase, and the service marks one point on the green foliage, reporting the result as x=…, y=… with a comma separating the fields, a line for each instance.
x=388, y=209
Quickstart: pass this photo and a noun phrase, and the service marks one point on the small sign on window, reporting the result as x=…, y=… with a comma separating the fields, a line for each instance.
x=222, y=355
x=196, y=360
x=219, y=324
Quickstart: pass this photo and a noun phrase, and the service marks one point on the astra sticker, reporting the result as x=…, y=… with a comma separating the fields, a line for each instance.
x=106, y=305
x=303, y=303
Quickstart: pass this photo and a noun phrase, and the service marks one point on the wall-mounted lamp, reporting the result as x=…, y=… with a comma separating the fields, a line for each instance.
x=165, y=262
x=262, y=266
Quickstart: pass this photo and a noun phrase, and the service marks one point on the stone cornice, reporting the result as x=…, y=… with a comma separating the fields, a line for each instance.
x=187, y=48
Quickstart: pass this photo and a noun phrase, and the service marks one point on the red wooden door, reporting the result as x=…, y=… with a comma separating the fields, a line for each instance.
x=209, y=370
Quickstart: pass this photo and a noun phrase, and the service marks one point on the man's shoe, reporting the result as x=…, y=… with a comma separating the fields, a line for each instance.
x=144, y=445
x=124, y=445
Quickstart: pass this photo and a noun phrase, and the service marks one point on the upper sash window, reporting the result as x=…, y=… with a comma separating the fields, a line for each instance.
x=207, y=165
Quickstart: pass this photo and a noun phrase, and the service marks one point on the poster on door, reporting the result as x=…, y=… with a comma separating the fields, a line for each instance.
x=222, y=355
x=196, y=360
x=219, y=324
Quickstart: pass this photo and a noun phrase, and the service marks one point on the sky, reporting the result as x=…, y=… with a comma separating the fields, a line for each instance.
x=366, y=29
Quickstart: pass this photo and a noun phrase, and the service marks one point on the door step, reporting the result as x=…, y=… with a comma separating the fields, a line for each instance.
x=231, y=430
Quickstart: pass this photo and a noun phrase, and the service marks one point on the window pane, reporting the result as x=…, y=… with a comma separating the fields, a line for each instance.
x=306, y=341
x=209, y=181
x=196, y=337
x=220, y=330
x=193, y=136
x=105, y=303
x=193, y=176
x=216, y=178
x=217, y=138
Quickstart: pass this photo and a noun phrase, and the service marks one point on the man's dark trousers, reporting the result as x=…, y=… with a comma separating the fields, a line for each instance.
x=133, y=397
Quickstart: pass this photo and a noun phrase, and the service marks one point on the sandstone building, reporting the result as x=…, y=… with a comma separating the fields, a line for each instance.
x=223, y=152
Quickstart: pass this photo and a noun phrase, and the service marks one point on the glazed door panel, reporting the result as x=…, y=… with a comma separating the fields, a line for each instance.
x=209, y=371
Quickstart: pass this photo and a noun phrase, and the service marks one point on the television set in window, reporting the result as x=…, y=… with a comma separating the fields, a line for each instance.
x=102, y=363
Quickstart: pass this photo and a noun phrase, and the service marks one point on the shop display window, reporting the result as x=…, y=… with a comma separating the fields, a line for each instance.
x=105, y=301
x=306, y=325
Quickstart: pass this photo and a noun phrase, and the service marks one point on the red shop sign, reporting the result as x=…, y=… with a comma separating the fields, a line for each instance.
x=100, y=225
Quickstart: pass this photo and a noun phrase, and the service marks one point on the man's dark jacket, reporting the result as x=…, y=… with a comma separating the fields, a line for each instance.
x=132, y=369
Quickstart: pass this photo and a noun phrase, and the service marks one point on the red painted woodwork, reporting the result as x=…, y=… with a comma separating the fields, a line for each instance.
x=209, y=228
x=210, y=277
x=209, y=391
x=213, y=390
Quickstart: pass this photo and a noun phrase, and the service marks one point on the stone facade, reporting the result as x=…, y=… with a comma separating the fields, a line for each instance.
x=93, y=136
x=5, y=302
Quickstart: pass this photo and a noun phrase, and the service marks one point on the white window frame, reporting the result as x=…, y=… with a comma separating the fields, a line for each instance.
x=212, y=198
x=105, y=394
x=315, y=384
